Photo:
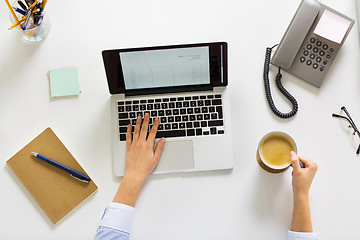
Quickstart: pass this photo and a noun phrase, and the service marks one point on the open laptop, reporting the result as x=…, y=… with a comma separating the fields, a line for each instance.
x=183, y=85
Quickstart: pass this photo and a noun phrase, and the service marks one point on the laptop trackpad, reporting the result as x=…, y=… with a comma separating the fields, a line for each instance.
x=176, y=155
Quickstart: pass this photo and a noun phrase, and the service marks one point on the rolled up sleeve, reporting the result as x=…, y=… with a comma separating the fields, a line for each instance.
x=116, y=222
x=301, y=235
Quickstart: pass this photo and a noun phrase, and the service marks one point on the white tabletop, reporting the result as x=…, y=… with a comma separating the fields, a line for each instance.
x=244, y=203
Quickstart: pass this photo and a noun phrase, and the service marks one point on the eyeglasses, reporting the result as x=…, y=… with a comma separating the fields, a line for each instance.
x=352, y=124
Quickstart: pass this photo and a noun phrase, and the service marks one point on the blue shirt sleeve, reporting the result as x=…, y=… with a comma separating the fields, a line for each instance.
x=116, y=222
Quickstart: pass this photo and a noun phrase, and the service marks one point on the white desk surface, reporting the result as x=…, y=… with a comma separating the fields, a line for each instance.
x=244, y=203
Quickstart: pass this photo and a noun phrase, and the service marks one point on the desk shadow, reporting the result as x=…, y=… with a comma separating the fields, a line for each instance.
x=158, y=177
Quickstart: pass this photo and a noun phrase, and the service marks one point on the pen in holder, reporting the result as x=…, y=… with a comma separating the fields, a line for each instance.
x=32, y=23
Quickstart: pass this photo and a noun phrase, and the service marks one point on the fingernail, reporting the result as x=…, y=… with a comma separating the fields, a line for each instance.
x=163, y=140
x=292, y=154
x=146, y=114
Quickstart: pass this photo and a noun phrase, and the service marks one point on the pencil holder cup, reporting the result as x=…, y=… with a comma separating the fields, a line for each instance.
x=37, y=28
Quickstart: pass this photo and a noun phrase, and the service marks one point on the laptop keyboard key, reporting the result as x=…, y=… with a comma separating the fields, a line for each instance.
x=163, y=120
x=219, y=111
x=213, y=130
x=190, y=132
x=122, y=137
x=124, y=122
x=198, y=132
x=123, y=115
x=121, y=109
x=216, y=102
x=215, y=123
x=123, y=129
x=174, y=133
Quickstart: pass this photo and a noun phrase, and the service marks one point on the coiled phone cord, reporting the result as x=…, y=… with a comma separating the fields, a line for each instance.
x=279, y=86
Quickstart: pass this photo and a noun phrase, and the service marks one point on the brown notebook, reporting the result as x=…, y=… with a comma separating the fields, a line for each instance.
x=55, y=190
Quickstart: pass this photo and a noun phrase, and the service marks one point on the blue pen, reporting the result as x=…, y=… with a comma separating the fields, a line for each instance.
x=22, y=12
x=72, y=172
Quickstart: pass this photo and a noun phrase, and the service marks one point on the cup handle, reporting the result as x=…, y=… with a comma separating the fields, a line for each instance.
x=302, y=165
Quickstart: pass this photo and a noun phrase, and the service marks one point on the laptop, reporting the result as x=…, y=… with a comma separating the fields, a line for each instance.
x=185, y=87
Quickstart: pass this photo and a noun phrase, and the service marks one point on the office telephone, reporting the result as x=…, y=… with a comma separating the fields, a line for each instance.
x=307, y=49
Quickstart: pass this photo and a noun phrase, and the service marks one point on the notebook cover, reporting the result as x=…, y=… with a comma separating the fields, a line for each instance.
x=55, y=190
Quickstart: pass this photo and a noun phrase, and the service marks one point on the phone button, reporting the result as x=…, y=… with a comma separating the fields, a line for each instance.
x=318, y=59
x=328, y=56
x=306, y=52
x=302, y=59
x=331, y=50
x=315, y=65
x=322, y=53
x=312, y=56
x=318, y=43
x=322, y=69
x=309, y=46
x=312, y=40
x=315, y=50
x=308, y=62
x=325, y=46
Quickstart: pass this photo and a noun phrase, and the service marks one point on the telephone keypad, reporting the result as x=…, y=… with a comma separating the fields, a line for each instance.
x=316, y=54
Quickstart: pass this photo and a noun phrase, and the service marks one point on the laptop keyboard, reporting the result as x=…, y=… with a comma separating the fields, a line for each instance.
x=198, y=115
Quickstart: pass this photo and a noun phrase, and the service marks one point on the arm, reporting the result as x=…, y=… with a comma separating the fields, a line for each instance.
x=302, y=179
x=141, y=160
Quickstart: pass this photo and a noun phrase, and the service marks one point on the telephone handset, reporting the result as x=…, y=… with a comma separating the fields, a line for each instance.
x=308, y=48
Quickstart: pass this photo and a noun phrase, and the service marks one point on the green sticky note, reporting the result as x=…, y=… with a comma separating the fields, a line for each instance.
x=64, y=82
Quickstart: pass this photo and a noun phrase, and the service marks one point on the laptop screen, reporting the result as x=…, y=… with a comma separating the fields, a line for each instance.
x=165, y=68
